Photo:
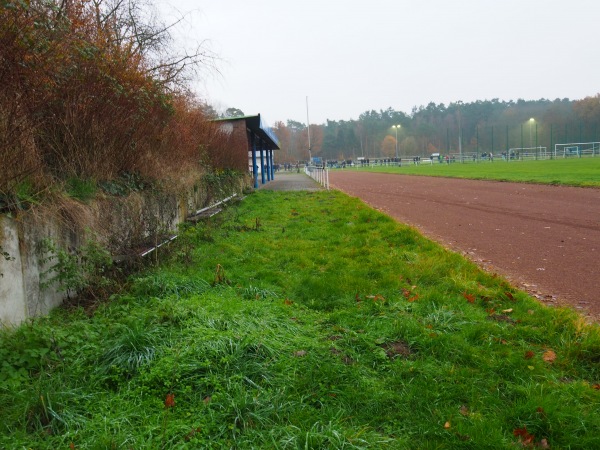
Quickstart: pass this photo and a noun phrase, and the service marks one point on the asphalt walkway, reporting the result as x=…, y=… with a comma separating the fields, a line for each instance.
x=291, y=181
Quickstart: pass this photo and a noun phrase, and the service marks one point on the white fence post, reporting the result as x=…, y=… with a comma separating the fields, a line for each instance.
x=319, y=174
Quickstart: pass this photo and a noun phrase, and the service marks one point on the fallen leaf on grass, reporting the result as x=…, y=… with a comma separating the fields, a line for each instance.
x=300, y=353
x=596, y=386
x=509, y=310
x=527, y=439
x=464, y=410
x=529, y=354
x=470, y=297
x=524, y=436
x=408, y=294
x=288, y=302
x=510, y=296
x=447, y=425
x=170, y=400
x=549, y=356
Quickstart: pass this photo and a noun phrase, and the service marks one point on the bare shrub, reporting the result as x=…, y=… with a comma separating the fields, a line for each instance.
x=89, y=90
x=226, y=150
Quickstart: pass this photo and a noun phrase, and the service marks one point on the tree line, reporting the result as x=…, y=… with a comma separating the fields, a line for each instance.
x=487, y=126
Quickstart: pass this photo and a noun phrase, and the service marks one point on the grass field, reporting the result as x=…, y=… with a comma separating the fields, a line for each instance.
x=304, y=320
x=567, y=172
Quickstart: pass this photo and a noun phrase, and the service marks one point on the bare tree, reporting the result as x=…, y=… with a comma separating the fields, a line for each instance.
x=134, y=26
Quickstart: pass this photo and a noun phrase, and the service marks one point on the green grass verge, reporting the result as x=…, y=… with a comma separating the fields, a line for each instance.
x=304, y=320
x=568, y=172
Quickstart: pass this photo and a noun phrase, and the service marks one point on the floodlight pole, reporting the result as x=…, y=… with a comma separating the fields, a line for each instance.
x=521, y=137
x=459, y=133
x=530, y=138
x=536, y=141
x=308, y=128
x=395, y=127
x=552, y=142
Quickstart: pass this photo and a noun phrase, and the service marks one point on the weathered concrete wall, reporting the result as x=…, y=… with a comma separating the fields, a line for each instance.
x=12, y=290
x=20, y=293
x=125, y=225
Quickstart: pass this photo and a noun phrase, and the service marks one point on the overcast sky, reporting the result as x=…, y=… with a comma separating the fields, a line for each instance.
x=351, y=56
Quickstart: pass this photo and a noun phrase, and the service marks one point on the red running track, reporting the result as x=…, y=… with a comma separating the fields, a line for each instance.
x=544, y=239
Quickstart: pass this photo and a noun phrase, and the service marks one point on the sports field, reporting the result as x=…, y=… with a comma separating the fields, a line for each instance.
x=567, y=172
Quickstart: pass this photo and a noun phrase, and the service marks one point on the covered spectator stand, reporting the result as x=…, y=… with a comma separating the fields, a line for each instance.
x=260, y=141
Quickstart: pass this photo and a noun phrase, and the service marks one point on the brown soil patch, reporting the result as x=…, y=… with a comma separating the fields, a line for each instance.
x=545, y=239
x=398, y=348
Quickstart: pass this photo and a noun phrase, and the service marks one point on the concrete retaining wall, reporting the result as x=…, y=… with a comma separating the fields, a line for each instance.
x=12, y=288
x=122, y=224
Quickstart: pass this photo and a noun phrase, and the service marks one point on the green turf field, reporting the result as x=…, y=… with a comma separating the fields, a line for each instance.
x=568, y=172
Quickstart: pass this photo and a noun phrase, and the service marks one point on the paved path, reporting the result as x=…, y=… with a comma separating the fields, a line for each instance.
x=545, y=239
x=291, y=181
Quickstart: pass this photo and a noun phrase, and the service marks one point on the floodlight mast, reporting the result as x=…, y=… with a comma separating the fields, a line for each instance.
x=459, y=132
x=308, y=128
